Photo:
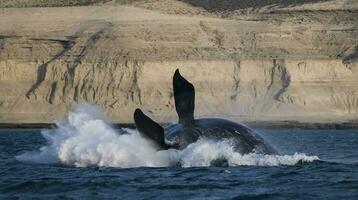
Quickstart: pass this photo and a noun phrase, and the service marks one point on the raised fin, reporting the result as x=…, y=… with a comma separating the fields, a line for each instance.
x=184, y=96
x=149, y=129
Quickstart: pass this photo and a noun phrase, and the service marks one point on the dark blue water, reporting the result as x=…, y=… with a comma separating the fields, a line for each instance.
x=335, y=176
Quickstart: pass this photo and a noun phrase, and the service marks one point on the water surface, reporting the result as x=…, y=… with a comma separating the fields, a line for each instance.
x=333, y=176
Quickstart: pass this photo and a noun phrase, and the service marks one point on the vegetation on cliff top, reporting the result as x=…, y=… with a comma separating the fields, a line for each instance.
x=210, y=5
x=54, y=3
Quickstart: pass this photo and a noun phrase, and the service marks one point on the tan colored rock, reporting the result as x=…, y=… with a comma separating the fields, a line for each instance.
x=261, y=67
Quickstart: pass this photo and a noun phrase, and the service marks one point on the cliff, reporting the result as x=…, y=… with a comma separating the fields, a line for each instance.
x=259, y=62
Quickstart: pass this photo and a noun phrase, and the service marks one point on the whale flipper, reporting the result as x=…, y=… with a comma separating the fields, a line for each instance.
x=184, y=96
x=150, y=129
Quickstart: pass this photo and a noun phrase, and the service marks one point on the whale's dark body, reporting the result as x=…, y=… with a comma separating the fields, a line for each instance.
x=243, y=139
x=189, y=130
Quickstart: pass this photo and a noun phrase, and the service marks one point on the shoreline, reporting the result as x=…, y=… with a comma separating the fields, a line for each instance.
x=252, y=124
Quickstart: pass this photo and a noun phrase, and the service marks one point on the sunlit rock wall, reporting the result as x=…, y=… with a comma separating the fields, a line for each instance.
x=54, y=58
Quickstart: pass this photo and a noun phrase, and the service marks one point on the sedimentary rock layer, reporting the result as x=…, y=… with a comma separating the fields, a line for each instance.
x=275, y=65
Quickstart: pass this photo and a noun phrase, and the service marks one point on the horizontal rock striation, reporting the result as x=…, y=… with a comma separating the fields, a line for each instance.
x=280, y=64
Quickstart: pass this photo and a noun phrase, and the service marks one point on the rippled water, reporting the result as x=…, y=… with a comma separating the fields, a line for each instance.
x=84, y=157
x=335, y=176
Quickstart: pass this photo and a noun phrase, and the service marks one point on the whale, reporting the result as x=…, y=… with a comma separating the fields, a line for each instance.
x=188, y=130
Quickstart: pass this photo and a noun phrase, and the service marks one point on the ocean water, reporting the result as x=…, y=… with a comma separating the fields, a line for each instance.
x=85, y=158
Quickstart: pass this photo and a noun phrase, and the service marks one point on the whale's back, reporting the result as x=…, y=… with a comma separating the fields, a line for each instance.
x=243, y=139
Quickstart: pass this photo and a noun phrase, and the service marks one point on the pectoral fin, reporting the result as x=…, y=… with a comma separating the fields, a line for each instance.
x=150, y=129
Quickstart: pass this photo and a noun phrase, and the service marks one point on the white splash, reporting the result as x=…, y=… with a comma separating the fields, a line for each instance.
x=85, y=139
x=204, y=152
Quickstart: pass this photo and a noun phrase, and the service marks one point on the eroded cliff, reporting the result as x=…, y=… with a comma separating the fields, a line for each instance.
x=280, y=64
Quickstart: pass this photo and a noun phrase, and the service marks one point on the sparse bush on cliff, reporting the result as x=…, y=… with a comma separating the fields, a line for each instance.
x=48, y=3
x=56, y=3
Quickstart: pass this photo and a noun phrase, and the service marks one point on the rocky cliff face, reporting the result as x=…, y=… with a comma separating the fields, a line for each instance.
x=288, y=63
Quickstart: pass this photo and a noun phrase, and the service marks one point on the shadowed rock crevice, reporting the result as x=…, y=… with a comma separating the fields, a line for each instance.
x=73, y=52
x=42, y=69
x=85, y=47
x=52, y=92
x=285, y=81
x=280, y=79
x=351, y=55
x=135, y=92
x=236, y=77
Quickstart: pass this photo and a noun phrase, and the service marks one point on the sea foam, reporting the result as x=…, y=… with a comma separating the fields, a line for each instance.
x=87, y=139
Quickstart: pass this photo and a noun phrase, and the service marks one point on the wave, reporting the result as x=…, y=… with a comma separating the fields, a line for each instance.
x=87, y=139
